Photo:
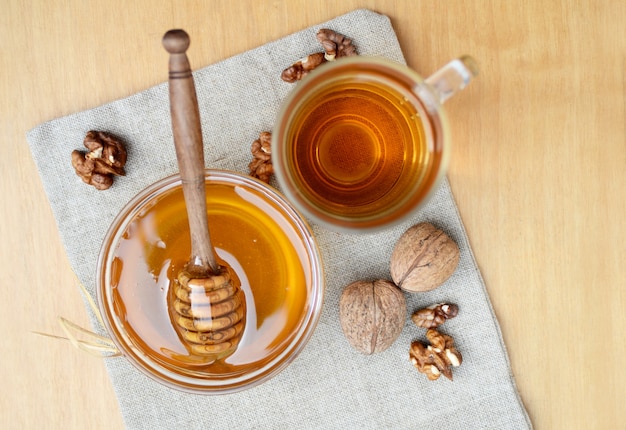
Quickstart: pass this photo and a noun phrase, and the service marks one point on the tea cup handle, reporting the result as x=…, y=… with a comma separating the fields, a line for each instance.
x=452, y=77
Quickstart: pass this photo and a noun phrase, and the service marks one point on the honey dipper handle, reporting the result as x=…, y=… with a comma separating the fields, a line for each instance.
x=189, y=148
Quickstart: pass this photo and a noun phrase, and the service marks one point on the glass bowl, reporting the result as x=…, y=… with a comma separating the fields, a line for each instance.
x=258, y=234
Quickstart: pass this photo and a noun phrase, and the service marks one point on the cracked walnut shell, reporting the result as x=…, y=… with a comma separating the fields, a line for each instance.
x=423, y=258
x=372, y=315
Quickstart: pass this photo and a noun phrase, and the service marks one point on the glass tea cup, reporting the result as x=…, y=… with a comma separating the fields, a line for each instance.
x=258, y=234
x=361, y=143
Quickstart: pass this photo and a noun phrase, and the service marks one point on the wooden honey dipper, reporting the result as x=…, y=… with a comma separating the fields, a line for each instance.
x=207, y=305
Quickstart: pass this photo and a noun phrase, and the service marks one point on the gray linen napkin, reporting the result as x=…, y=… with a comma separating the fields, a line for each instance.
x=329, y=385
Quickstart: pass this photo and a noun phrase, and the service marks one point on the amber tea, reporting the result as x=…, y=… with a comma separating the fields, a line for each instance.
x=359, y=143
x=356, y=146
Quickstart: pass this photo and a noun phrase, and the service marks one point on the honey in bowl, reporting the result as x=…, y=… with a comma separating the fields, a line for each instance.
x=267, y=247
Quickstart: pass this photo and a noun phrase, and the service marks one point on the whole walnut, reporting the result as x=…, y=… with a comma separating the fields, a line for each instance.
x=423, y=258
x=372, y=315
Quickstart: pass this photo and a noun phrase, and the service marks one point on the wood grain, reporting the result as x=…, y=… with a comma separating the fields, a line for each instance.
x=538, y=170
x=187, y=132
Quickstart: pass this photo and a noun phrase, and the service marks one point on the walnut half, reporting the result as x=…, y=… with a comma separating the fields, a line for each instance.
x=434, y=315
x=106, y=158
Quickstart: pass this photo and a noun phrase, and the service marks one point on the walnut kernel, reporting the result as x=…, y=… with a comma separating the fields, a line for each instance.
x=435, y=315
x=301, y=68
x=335, y=46
x=261, y=165
x=436, y=359
x=106, y=158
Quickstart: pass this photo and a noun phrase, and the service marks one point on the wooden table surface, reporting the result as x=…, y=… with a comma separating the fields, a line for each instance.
x=538, y=171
